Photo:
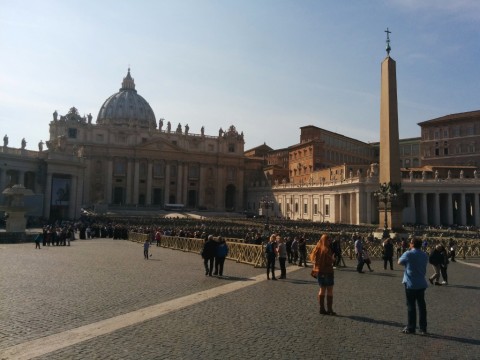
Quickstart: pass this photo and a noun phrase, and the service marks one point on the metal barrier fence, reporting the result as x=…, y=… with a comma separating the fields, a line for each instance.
x=255, y=254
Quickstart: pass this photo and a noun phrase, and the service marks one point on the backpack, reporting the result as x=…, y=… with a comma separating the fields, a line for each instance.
x=269, y=248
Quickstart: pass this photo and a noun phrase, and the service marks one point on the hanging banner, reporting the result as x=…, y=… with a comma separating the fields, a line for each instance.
x=61, y=191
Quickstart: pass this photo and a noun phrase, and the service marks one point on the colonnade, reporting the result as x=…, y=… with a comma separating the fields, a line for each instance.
x=427, y=205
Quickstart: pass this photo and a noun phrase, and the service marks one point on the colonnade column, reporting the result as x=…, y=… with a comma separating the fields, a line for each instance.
x=436, y=204
x=449, y=209
x=148, y=200
x=424, y=212
x=356, y=208
x=369, y=207
x=476, y=212
x=413, y=212
x=463, y=210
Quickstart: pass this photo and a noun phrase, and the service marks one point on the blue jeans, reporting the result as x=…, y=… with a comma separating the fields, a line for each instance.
x=414, y=297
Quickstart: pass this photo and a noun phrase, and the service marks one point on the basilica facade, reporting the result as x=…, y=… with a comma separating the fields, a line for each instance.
x=124, y=160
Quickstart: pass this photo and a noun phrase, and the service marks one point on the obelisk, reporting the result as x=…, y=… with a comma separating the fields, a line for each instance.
x=389, y=144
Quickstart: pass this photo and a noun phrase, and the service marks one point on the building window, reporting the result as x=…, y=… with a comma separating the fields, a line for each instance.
x=315, y=209
x=158, y=170
x=142, y=169
x=231, y=148
x=305, y=208
x=193, y=171
x=99, y=137
x=72, y=133
x=470, y=131
x=231, y=173
x=296, y=207
x=456, y=131
x=119, y=167
x=210, y=147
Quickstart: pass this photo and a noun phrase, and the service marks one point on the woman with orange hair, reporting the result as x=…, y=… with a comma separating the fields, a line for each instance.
x=322, y=258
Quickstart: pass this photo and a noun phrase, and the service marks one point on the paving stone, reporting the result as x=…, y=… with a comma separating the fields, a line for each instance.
x=48, y=291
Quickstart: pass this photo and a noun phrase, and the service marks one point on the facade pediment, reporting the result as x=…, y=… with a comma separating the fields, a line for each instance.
x=159, y=144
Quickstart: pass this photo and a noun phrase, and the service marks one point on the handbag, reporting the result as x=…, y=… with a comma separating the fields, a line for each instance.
x=314, y=273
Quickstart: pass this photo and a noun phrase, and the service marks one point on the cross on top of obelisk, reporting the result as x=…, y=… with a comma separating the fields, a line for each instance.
x=388, y=41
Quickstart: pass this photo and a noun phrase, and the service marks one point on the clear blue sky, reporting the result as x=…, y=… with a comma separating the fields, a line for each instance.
x=266, y=66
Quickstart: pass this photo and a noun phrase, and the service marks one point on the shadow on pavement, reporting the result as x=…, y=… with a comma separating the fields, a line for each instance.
x=454, y=338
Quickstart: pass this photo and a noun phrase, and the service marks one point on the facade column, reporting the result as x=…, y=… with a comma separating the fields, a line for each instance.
x=178, y=195
x=463, y=210
x=21, y=177
x=424, y=213
x=136, y=181
x=72, y=202
x=109, y=189
x=48, y=196
x=239, y=190
x=201, y=182
x=436, y=210
x=220, y=191
x=128, y=197
x=166, y=198
x=449, y=209
x=148, y=200
x=3, y=179
x=80, y=196
x=476, y=212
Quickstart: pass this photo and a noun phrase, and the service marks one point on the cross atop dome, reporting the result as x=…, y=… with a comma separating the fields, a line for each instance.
x=128, y=83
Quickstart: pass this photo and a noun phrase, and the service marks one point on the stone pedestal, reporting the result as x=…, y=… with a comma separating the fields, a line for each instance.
x=15, y=209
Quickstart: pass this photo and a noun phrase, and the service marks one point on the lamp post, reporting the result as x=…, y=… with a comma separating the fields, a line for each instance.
x=265, y=203
x=387, y=194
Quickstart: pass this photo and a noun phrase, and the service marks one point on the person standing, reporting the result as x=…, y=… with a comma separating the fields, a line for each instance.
x=158, y=237
x=452, y=247
x=322, y=258
x=295, y=250
x=38, y=239
x=302, y=252
x=288, y=245
x=271, y=254
x=366, y=259
x=282, y=257
x=208, y=254
x=436, y=259
x=146, y=247
x=387, y=253
x=359, y=254
x=444, y=265
x=415, y=262
x=221, y=254
x=337, y=250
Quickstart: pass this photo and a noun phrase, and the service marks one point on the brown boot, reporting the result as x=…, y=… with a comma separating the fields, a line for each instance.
x=321, y=301
x=329, y=306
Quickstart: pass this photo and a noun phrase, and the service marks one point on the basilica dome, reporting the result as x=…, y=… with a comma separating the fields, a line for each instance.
x=127, y=108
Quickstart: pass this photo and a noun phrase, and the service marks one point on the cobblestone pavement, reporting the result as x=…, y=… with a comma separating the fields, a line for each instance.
x=50, y=291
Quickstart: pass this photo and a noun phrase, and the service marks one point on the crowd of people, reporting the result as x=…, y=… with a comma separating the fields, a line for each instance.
x=286, y=241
